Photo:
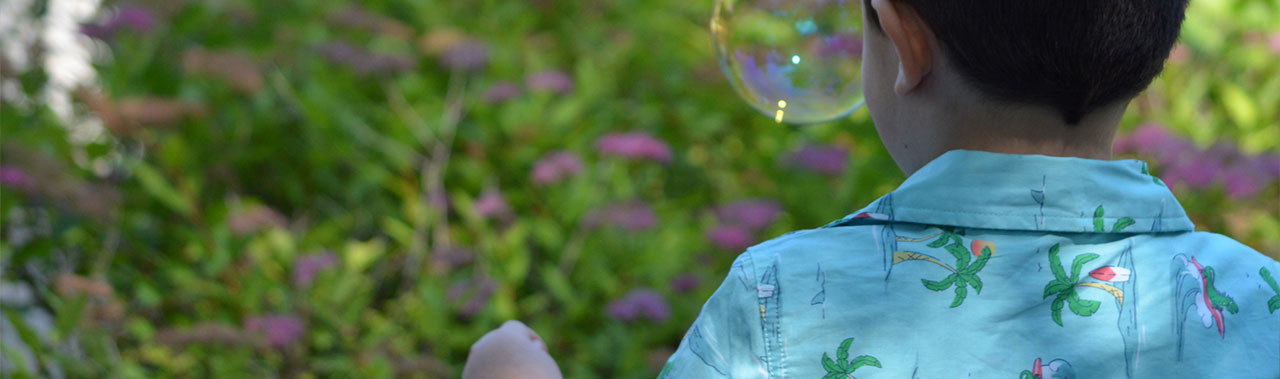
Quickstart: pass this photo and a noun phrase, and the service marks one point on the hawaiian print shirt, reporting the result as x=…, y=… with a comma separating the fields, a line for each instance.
x=997, y=266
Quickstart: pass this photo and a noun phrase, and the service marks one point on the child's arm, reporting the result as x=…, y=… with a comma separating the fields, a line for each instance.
x=510, y=351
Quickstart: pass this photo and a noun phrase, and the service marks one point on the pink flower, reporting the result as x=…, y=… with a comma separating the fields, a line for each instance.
x=306, y=267
x=492, y=204
x=14, y=177
x=501, y=91
x=550, y=80
x=640, y=303
x=634, y=216
x=250, y=219
x=827, y=160
x=279, y=331
x=731, y=237
x=1273, y=42
x=555, y=167
x=135, y=17
x=634, y=145
x=753, y=214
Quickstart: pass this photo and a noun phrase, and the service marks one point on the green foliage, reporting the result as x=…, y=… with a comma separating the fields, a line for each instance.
x=189, y=228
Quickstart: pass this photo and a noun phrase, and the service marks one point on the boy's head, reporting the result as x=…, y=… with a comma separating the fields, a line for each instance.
x=1055, y=75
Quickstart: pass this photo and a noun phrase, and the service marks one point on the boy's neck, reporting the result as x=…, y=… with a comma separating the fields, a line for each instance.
x=1018, y=130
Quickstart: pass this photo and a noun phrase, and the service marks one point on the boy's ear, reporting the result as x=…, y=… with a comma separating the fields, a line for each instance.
x=912, y=39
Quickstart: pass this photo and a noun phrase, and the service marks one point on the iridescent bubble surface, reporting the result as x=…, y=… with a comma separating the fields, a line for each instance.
x=797, y=61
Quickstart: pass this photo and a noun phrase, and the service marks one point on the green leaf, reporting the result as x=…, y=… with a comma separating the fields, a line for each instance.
x=834, y=375
x=1056, y=286
x=1057, y=310
x=1123, y=222
x=1081, y=307
x=974, y=281
x=864, y=360
x=981, y=262
x=155, y=185
x=842, y=353
x=828, y=364
x=1273, y=304
x=1079, y=262
x=962, y=255
x=1271, y=282
x=940, y=285
x=1097, y=219
x=942, y=240
x=961, y=293
x=70, y=313
x=1055, y=263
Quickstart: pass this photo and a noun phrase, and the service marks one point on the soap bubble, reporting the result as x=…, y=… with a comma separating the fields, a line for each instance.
x=797, y=61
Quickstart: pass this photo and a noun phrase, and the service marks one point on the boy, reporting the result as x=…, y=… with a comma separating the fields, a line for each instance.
x=1015, y=247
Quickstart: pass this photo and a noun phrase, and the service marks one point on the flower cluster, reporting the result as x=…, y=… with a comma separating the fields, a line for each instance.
x=307, y=267
x=740, y=220
x=555, y=167
x=640, y=303
x=634, y=145
x=365, y=62
x=633, y=216
x=278, y=331
x=1242, y=176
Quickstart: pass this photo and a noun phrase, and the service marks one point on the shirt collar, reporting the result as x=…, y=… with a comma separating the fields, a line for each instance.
x=978, y=189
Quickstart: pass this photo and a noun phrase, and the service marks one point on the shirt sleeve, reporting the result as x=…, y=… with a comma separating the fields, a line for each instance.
x=726, y=339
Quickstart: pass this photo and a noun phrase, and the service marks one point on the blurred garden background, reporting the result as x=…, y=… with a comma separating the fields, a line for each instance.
x=317, y=189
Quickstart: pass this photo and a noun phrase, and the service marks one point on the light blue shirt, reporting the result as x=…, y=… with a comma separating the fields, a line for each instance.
x=991, y=265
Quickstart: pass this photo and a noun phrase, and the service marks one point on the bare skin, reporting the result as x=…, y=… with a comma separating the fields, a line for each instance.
x=924, y=111
x=510, y=351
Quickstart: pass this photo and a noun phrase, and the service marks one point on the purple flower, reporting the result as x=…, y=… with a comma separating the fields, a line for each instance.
x=279, y=331
x=1242, y=183
x=250, y=219
x=468, y=55
x=14, y=177
x=753, y=214
x=640, y=303
x=634, y=145
x=685, y=283
x=135, y=17
x=634, y=216
x=1154, y=140
x=447, y=259
x=469, y=296
x=1273, y=42
x=501, y=91
x=364, y=62
x=827, y=160
x=1195, y=173
x=731, y=237
x=550, y=80
x=306, y=267
x=492, y=204
x=555, y=167
x=1269, y=164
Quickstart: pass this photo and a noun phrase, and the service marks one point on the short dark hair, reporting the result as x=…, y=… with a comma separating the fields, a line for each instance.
x=1073, y=55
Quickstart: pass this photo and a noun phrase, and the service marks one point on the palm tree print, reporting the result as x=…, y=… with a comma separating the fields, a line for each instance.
x=1099, y=225
x=1274, y=303
x=965, y=272
x=1064, y=286
x=842, y=366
